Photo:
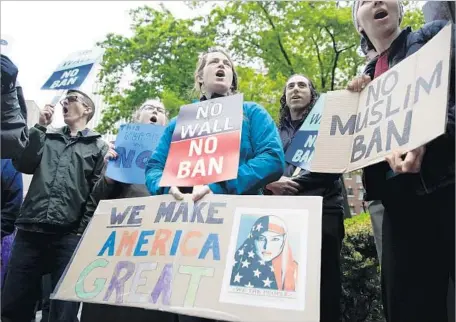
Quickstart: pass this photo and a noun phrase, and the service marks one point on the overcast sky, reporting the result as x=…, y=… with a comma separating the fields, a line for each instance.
x=42, y=33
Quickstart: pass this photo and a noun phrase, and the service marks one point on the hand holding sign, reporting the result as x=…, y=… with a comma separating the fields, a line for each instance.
x=284, y=186
x=46, y=115
x=176, y=193
x=411, y=163
x=358, y=83
x=111, y=154
x=200, y=191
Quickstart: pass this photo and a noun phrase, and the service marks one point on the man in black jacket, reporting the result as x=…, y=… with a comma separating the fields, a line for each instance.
x=417, y=189
x=298, y=99
x=65, y=164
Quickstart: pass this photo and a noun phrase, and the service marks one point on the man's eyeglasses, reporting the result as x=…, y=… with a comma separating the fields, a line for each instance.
x=152, y=107
x=72, y=99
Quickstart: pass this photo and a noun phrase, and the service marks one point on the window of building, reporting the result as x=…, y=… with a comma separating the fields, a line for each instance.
x=350, y=191
x=359, y=179
x=361, y=195
x=348, y=175
x=352, y=209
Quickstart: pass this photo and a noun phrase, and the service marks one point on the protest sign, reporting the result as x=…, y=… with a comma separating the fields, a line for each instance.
x=134, y=146
x=205, y=143
x=71, y=72
x=232, y=258
x=401, y=110
x=301, y=149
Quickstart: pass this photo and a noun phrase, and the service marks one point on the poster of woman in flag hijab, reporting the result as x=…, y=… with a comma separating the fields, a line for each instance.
x=268, y=259
x=265, y=259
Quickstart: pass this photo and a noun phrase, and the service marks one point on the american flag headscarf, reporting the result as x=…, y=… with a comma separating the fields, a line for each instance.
x=250, y=270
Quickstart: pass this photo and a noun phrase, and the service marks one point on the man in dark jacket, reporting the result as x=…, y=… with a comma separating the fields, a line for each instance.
x=151, y=112
x=417, y=189
x=14, y=114
x=298, y=99
x=65, y=165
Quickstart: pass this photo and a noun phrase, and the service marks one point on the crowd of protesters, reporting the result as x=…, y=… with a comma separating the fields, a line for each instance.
x=415, y=191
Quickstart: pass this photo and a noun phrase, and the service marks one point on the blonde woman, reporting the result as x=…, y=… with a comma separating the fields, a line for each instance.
x=261, y=159
x=261, y=156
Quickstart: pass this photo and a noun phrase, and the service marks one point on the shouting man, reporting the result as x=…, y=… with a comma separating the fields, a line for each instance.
x=297, y=101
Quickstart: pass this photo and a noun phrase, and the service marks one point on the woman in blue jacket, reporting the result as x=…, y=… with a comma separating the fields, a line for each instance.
x=261, y=158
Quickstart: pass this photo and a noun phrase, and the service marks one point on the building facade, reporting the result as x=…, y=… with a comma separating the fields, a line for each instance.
x=355, y=192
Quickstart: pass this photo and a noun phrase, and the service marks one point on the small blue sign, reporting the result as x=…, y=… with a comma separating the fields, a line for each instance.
x=135, y=144
x=70, y=78
x=301, y=149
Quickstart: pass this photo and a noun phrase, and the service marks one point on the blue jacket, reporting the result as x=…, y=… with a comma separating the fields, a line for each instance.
x=12, y=196
x=261, y=159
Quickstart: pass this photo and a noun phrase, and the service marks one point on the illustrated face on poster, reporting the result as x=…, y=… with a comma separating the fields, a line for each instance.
x=161, y=254
x=267, y=259
x=263, y=249
x=269, y=245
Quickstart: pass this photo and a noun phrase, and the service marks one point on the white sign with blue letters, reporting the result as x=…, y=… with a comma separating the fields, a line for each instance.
x=71, y=72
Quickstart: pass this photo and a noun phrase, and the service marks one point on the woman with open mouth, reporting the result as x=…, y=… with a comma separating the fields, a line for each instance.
x=416, y=188
x=261, y=159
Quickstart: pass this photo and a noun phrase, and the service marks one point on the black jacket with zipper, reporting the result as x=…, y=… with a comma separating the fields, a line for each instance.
x=438, y=166
x=65, y=170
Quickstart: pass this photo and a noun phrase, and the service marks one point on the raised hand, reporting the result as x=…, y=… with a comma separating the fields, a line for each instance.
x=46, y=115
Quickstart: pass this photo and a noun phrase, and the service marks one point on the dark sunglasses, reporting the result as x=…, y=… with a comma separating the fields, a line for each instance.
x=72, y=99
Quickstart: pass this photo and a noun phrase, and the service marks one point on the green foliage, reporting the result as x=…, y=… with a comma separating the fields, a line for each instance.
x=162, y=56
x=312, y=38
x=361, y=272
x=260, y=88
x=413, y=16
x=280, y=38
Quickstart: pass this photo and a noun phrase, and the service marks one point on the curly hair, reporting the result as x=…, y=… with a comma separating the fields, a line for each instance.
x=285, y=109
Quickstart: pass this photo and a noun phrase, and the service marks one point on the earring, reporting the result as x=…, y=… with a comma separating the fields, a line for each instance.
x=202, y=90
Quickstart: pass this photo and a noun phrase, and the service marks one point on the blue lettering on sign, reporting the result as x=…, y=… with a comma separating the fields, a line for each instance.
x=125, y=158
x=134, y=146
x=302, y=148
x=68, y=78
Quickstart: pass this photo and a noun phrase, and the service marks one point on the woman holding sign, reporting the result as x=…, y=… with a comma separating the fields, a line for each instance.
x=150, y=112
x=261, y=158
x=416, y=187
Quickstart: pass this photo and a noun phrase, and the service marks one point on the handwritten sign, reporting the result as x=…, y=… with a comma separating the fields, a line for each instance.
x=134, y=145
x=205, y=143
x=301, y=149
x=402, y=109
x=230, y=258
x=71, y=72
